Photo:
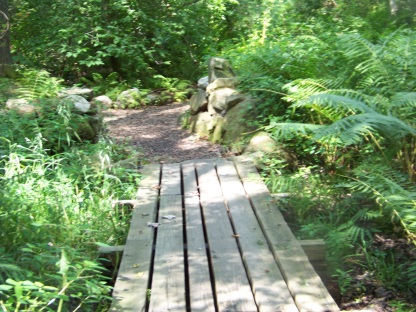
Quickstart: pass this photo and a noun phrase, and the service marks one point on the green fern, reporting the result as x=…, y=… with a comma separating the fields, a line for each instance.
x=391, y=191
x=367, y=60
x=386, y=67
x=110, y=85
x=288, y=130
x=353, y=129
x=36, y=84
x=354, y=121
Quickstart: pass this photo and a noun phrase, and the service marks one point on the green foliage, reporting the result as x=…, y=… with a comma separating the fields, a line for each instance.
x=72, y=282
x=56, y=127
x=136, y=39
x=56, y=205
x=391, y=190
x=35, y=84
x=109, y=85
x=347, y=113
x=345, y=280
x=7, y=90
x=55, y=208
x=172, y=89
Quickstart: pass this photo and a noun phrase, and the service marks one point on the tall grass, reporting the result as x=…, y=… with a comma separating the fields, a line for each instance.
x=55, y=208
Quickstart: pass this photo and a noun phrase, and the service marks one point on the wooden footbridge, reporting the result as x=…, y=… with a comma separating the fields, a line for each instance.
x=207, y=236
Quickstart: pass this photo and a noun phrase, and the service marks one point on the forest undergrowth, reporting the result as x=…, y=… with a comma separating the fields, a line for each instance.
x=335, y=83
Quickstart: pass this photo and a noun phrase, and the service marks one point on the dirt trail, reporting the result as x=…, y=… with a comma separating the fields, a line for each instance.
x=156, y=131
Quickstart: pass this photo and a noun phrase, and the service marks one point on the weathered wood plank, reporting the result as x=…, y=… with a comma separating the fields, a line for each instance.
x=190, y=184
x=168, y=281
x=131, y=286
x=305, y=285
x=200, y=289
x=233, y=291
x=171, y=180
x=315, y=249
x=267, y=282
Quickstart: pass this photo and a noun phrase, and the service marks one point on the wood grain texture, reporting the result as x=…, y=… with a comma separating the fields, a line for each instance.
x=241, y=254
x=200, y=289
x=168, y=282
x=303, y=282
x=233, y=291
x=129, y=292
x=267, y=282
x=171, y=180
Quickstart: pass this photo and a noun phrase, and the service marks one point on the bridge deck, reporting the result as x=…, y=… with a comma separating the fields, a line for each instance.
x=220, y=244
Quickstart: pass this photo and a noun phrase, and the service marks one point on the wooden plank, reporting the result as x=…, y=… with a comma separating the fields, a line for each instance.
x=233, y=292
x=303, y=282
x=130, y=290
x=168, y=282
x=200, y=289
x=190, y=185
x=208, y=184
x=267, y=282
x=171, y=180
x=315, y=249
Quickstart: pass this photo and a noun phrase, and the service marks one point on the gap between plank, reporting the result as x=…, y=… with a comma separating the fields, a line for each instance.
x=240, y=250
x=152, y=261
x=207, y=248
x=185, y=244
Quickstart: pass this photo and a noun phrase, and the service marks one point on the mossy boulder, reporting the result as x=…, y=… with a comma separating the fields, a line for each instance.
x=204, y=124
x=261, y=142
x=129, y=99
x=237, y=123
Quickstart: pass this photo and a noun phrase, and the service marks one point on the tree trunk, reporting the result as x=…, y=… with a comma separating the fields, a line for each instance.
x=5, y=55
x=393, y=7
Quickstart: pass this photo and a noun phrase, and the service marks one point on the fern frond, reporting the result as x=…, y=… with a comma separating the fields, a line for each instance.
x=403, y=105
x=367, y=59
x=391, y=191
x=288, y=130
x=301, y=89
x=351, y=102
x=38, y=84
x=352, y=129
x=354, y=233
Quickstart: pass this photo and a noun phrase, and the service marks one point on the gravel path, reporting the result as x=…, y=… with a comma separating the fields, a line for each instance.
x=156, y=131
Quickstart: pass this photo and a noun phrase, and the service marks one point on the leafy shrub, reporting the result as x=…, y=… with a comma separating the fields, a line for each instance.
x=171, y=89
x=111, y=85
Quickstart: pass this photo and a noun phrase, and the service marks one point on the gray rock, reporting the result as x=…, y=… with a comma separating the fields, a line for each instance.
x=222, y=83
x=233, y=100
x=218, y=99
x=236, y=124
x=84, y=92
x=198, y=102
x=103, y=100
x=203, y=83
x=129, y=99
x=80, y=103
x=152, y=98
x=219, y=68
x=21, y=106
x=261, y=142
x=204, y=124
